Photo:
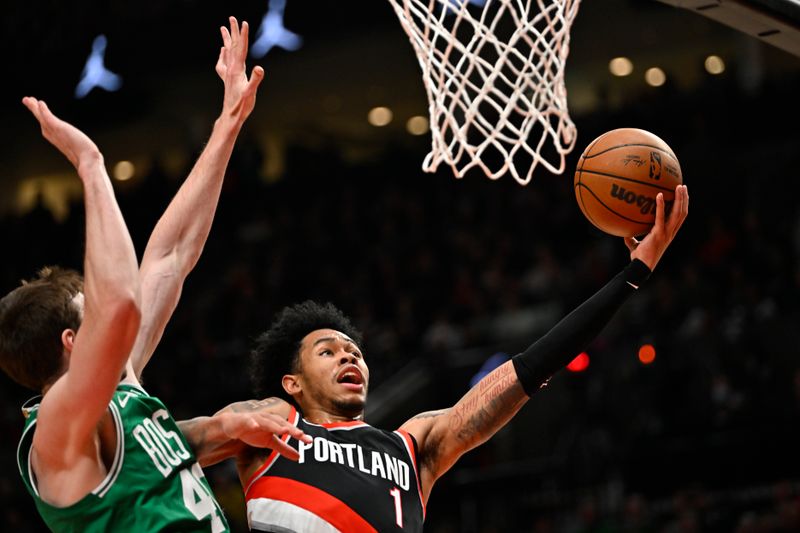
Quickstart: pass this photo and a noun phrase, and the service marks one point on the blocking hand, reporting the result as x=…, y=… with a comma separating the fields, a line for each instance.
x=263, y=430
x=69, y=140
x=240, y=93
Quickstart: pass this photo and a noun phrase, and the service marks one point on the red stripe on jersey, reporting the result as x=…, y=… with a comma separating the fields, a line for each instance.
x=412, y=452
x=332, y=510
x=293, y=418
x=350, y=424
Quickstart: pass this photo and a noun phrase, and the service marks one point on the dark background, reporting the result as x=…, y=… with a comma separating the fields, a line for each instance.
x=442, y=273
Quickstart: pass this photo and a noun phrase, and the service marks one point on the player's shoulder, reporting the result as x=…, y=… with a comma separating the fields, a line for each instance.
x=423, y=420
x=421, y=426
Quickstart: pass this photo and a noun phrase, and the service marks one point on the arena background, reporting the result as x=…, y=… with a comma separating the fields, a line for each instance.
x=442, y=273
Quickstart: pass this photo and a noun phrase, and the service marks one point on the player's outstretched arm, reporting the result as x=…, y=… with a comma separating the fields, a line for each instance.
x=242, y=425
x=443, y=436
x=72, y=407
x=180, y=235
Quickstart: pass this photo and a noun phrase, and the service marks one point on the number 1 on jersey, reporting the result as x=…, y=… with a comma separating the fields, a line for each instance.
x=398, y=506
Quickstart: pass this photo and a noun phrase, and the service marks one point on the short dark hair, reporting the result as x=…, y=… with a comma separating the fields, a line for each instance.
x=32, y=318
x=277, y=351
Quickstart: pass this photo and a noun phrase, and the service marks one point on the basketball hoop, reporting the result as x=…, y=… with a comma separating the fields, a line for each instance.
x=494, y=74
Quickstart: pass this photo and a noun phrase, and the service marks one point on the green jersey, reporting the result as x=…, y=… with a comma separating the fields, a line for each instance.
x=153, y=484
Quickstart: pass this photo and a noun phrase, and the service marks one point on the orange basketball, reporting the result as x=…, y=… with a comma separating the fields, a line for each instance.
x=618, y=177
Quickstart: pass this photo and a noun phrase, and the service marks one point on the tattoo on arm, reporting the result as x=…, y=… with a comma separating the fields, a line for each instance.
x=207, y=439
x=488, y=406
x=194, y=432
x=430, y=414
x=250, y=406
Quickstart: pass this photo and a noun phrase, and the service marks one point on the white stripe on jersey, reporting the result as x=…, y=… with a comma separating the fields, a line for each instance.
x=116, y=466
x=113, y=472
x=264, y=513
x=31, y=476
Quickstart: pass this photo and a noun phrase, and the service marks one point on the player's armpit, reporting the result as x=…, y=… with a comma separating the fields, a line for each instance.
x=444, y=436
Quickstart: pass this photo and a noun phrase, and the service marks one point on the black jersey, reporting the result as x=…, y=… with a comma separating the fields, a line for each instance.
x=352, y=478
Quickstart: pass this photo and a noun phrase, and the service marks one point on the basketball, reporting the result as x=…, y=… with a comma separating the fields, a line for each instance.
x=618, y=177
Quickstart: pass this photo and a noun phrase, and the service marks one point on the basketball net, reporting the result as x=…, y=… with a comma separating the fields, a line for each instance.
x=494, y=74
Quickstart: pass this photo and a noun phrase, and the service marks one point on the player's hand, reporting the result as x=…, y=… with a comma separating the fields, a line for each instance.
x=70, y=141
x=240, y=93
x=263, y=430
x=650, y=249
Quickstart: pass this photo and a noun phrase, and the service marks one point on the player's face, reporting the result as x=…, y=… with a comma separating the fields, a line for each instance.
x=333, y=373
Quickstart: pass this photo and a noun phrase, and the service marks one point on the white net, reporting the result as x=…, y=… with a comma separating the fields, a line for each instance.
x=494, y=74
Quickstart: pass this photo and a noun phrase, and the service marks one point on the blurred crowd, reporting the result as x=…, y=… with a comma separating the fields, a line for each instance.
x=443, y=273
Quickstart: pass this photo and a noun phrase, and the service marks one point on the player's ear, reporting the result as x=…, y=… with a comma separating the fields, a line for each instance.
x=291, y=384
x=68, y=339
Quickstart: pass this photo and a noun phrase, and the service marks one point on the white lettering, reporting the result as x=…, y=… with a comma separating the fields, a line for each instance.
x=361, y=460
x=320, y=450
x=165, y=447
x=336, y=453
x=403, y=482
x=302, y=450
x=146, y=442
x=180, y=449
x=377, y=465
x=374, y=463
x=391, y=468
x=168, y=452
x=349, y=449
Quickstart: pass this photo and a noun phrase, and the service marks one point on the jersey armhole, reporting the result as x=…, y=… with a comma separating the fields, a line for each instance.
x=416, y=454
x=108, y=481
x=24, y=449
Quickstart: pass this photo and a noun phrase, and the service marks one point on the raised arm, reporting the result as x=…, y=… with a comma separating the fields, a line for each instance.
x=444, y=436
x=72, y=407
x=179, y=236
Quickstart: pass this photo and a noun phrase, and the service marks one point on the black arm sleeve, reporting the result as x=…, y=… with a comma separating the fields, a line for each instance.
x=570, y=336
